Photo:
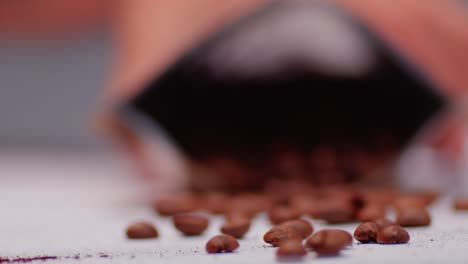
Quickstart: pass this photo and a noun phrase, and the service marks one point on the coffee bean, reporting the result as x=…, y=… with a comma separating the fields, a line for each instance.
x=366, y=232
x=413, y=216
x=292, y=248
x=384, y=222
x=335, y=211
x=382, y=196
x=371, y=212
x=287, y=162
x=393, y=235
x=215, y=202
x=304, y=204
x=250, y=204
x=281, y=233
x=281, y=214
x=293, y=229
x=190, y=224
x=140, y=230
x=221, y=243
x=171, y=206
x=236, y=226
x=460, y=203
x=234, y=215
x=429, y=196
x=329, y=241
x=409, y=201
x=303, y=227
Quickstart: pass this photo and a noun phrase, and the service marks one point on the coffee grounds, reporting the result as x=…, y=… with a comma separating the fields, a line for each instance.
x=26, y=259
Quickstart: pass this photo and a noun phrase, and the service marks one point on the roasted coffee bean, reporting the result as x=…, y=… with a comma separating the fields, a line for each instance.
x=233, y=215
x=140, y=230
x=303, y=204
x=281, y=214
x=221, y=243
x=190, y=224
x=250, y=204
x=303, y=227
x=382, y=196
x=366, y=232
x=280, y=233
x=215, y=202
x=409, y=201
x=460, y=204
x=384, y=222
x=286, y=161
x=293, y=229
x=175, y=205
x=292, y=248
x=429, y=196
x=236, y=226
x=393, y=235
x=329, y=241
x=413, y=216
x=335, y=212
x=371, y=212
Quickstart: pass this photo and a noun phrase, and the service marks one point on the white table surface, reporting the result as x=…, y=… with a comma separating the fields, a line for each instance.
x=63, y=205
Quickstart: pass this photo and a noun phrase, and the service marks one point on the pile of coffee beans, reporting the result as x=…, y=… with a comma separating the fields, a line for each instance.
x=288, y=204
x=322, y=164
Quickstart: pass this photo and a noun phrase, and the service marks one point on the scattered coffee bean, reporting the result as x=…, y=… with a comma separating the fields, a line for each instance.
x=221, y=243
x=329, y=241
x=140, y=230
x=382, y=196
x=292, y=248
x=280, y=214
x=236, y=226
x=371, y=212
x=409, y=201
x=303, y=204
x=250, y=204
x=430, y=196
x=413, y=216
x=335, y=211
x=280, y=233
x=293, y=229
x=303, y=227
x=175, y=205
x=393, y=235
x=366, y=232
x=190, y=224
x=384, y=222
x=215, y=202
x=460, y=204
x=234, y=215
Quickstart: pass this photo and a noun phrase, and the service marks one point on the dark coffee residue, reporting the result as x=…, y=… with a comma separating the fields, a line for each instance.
x=26, y=259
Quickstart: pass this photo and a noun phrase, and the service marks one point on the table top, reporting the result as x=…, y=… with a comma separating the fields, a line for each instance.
x=76, y=206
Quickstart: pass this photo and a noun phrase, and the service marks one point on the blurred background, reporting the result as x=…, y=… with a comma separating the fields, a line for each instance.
x=62, y=63
x=49, y=90
x=54, y=62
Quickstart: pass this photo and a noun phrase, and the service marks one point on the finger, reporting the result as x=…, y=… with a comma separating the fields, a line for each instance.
x=431, y=34
x=151, y=35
